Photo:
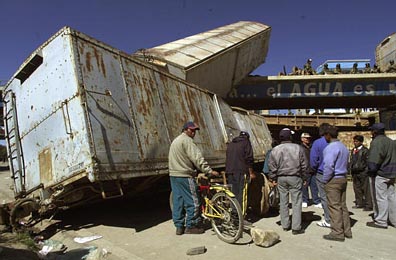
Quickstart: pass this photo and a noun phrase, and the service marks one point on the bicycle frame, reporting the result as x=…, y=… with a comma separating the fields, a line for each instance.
x=207, y=203
x=222, y=209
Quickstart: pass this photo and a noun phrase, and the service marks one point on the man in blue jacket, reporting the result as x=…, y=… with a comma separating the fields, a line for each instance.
x=316, y=162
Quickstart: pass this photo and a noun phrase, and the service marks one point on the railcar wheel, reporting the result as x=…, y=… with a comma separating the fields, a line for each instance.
x=23, y=208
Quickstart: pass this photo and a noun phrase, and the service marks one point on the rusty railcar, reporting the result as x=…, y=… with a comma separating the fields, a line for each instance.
x=386, y=52
x=84, y=120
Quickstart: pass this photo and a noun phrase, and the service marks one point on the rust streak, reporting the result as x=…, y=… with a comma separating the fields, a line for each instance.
x=99, y=61
x=88, y=61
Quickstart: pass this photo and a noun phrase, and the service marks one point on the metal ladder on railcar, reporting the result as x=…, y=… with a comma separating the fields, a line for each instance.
x=15, y=153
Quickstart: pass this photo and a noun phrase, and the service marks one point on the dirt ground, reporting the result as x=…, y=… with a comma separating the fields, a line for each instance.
x=11, y=247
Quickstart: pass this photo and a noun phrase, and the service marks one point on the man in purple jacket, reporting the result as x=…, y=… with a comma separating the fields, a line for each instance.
x=335, y=169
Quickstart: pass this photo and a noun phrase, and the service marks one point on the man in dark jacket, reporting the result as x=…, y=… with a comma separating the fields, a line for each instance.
x=311, y=180
x=358, y=169
x=382, y=171
x=239, y=166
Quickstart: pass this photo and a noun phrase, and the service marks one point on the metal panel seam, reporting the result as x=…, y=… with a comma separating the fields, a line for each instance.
x=81, y=88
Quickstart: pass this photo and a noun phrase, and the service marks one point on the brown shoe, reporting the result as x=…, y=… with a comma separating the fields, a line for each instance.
x=333, y=238
x=194, y=230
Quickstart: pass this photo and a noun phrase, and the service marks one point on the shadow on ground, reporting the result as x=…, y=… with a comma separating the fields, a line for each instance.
x=306, y=219
x=137, y=213
x=11, y=248
x=4, y=168
x=8, y=253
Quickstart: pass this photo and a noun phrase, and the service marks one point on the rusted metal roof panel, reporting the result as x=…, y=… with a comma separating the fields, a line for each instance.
x=215, y=60
x=385, y=52
x=225, y=37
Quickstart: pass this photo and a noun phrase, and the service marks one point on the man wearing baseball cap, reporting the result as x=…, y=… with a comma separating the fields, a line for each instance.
x=288, y=166
x=311, y=180
x=239, y=166
x=185, y=158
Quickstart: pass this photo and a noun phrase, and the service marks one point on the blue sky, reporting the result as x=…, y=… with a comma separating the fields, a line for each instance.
x=321, y=30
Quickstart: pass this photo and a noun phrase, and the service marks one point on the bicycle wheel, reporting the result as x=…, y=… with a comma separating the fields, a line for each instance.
x=229, y=223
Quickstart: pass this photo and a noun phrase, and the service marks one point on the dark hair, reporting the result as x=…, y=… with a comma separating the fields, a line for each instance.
x=332, y=131
x=359, y=138
x=323, y=128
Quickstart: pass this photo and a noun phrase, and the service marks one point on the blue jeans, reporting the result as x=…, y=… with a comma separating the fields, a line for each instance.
x=322, y=194
x=186, y=202
x=311, y=183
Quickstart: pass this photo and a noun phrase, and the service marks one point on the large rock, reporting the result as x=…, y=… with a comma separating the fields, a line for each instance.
x=264, y=238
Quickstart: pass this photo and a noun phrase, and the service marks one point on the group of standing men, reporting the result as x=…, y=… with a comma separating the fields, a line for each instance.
x=324, y=168
x=293, y=168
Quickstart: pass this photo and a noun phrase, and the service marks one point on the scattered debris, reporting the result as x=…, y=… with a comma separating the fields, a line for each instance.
x=196, y=250
x=52, y=246
x=82, y=240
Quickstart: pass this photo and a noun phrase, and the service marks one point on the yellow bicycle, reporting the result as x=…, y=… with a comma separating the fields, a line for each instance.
x=222, y=209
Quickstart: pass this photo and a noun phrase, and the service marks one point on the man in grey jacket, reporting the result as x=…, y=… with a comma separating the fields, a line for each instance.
x=288, y=166
x=185, y=158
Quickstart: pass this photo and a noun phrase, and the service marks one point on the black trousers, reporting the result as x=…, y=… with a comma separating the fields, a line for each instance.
x=238, y=181
x=361, y=187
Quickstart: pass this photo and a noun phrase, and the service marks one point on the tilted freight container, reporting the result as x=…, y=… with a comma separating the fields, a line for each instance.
x=85, y=120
